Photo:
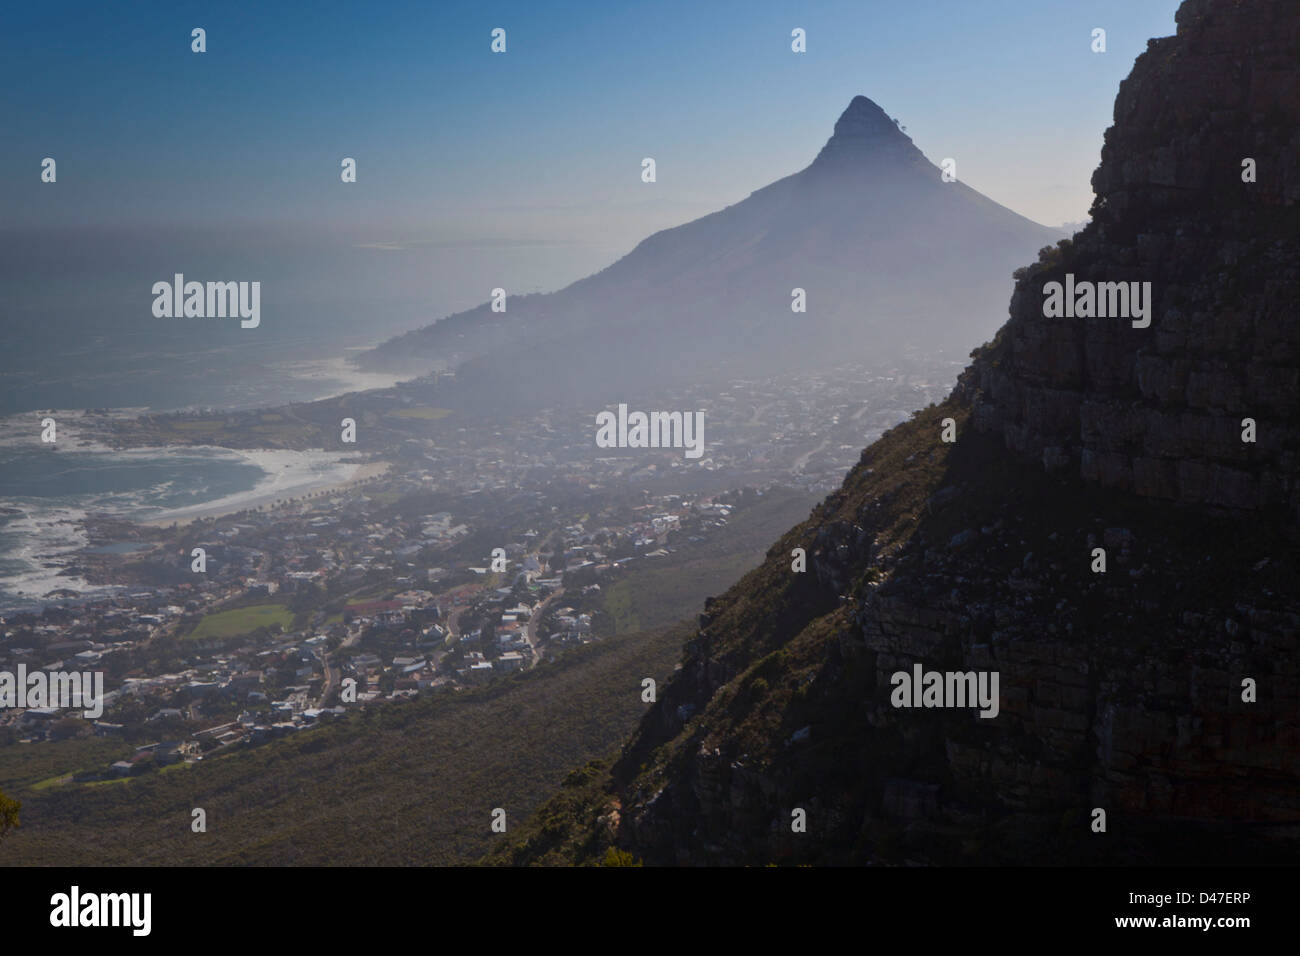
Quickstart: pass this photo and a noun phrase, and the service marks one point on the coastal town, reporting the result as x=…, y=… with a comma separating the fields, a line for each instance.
x=457, y=559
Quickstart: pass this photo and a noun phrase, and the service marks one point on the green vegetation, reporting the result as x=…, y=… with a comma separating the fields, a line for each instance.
x=778, y=631
x=27, y=767
x=9, y=808
x=565, y=830
x=616, y=857
x=421, y=413
x=241, y=620
x=277, y=432
x=397, y=783
x=402, y=783
x=663, y=590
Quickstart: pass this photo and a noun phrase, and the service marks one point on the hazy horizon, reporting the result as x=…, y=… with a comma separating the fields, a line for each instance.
x=456, y=144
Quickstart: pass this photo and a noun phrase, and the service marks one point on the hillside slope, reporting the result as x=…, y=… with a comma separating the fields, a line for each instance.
x=1120, y=690
x=410, y=783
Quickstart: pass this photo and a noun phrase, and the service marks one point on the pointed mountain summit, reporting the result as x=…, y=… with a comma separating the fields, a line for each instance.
x=865, y=134
x=888, y=255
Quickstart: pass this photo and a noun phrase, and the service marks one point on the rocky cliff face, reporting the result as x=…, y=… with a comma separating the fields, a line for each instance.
x=1158, y=411
x=1120, y=691
x=1127, y=689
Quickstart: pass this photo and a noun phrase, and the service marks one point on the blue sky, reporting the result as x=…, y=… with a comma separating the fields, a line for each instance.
x=542, y=144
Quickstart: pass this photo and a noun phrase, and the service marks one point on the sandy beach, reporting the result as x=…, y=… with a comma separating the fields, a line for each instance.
x=267, y=493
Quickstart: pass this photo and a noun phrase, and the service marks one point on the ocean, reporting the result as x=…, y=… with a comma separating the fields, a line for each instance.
x=46, y=492
x=79, y=333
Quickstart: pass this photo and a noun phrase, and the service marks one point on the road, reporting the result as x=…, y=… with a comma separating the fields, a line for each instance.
x=530, y=631
x=331, y=674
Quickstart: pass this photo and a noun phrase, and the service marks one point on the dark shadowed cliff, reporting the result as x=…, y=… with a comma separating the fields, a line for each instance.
x=1123, y=690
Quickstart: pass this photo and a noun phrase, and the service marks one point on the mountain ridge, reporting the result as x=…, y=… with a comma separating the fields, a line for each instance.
x=863, y=229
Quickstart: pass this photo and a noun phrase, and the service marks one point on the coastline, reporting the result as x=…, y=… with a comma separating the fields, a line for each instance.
x=363, y=472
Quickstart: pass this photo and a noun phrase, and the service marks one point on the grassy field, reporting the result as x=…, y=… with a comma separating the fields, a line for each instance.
x=241, y=620
x=422, y=413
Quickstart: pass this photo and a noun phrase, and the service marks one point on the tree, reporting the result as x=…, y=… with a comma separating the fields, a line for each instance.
x=616, y=857
x=307, y=598
x=9, y=808
x=65, y=728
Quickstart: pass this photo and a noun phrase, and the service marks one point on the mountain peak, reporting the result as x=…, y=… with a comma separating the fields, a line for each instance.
x=864, y=131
